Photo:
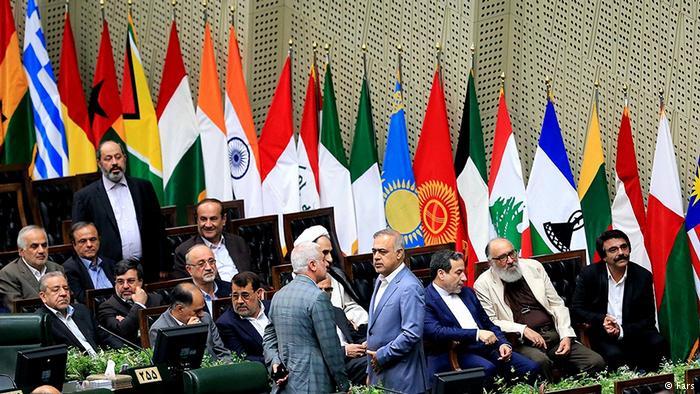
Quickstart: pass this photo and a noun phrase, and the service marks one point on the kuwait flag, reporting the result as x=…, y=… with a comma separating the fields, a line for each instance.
x=692, y=226
x=364, y=173
x=593, y=188
x=307, y=146
x=334, y=174
x=506, y=187
x=243, y=154
x=210, y=113
x=81, y=145
x=628, y=206
x=183, y=167
x=555, y=212
x=667, y=243
x=435, y=175
x=17, y=138
x=470, y=167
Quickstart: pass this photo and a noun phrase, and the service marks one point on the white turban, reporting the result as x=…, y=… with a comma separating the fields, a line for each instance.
x=311, y=234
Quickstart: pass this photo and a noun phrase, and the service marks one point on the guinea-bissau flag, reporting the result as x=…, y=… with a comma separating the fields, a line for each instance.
x=105, y=107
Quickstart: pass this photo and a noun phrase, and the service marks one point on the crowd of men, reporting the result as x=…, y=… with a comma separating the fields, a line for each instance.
x=315, y=335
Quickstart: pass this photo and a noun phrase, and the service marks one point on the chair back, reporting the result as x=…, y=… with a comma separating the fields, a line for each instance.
x=219, y=306
x=648, y=384
x=60, y=253
x=562, y=269
x=250, y=377
x=6, y=383
x=27, y=305
x=147, y=317
x=20, y=332
x=423, y=275
x=12, y=215
x=234, y=209
x=263, y=238
x=164, y=287
x=54, y=199
x=295, y=223
x=692, y=380
x=174, y=236
x=8, y=257
x=95, y=297
x=419, y=257
x=281, y=275
x=361, y=273
x=169, y=214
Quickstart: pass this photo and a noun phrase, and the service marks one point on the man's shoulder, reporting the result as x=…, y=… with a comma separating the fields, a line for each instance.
x=637, y=270
x=51, y=266
x=231, y=237
x=12, y=268
x=592, y=270
x=188, y=243
x=71, y=263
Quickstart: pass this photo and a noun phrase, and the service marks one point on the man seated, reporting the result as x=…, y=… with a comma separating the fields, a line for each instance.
x=19, y=279
x=616, y=298
x=353, y=342
x=73, y=325
x=201, y=265
x=518, y=296
x=187, y=307
x=231, y=251
x=86, y=269
x=242, y=328
x=120, y=313
x=453, y=313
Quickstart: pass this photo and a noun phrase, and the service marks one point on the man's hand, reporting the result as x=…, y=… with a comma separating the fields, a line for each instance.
x=354, y=350
x=139, y=296
x=487, y=337
x=373, y=360
x=611, y=327
x=535, y=338
x=119, y=318
x=564, y=347
x=193, y=320
x=505, y=351
x=280, y=382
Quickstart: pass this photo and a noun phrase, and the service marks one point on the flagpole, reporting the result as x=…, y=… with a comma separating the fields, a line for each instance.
x=503, y=82
x=327, y=47
x=232, y=11
x=625, y=92
x=548, y=88
x=438, y=49
x=473, y=51
x=102, y=8
x=661, y=101
x=129, y=2
x=596, y=85
x=66, y=6
x=204, y=3
x=173, y=3
x=364, y=61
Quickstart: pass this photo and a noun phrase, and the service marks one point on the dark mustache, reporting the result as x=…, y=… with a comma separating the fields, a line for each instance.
x=622, y=257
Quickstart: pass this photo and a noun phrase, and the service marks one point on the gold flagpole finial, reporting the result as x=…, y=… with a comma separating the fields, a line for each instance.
x=503, y=80
x=625, y=93
x=661, y=99
x=102, y=8
x=327, y=48
x=596, y=84
x=548, y=87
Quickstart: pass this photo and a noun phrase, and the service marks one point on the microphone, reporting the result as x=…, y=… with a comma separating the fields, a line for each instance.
x=126, y=341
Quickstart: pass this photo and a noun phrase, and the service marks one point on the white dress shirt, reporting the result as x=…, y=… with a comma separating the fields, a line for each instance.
x=37, y=274
x=616, y=293
x=73, y=328
x=458, y=309
x=341, y=299
x=125, y=213
x=260, y=322
x=385, y=280
x=224, y=263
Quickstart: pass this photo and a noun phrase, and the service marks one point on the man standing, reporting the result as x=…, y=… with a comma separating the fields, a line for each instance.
x=125, y=211
x=19, y=279
x=201, y=265
x=518, y=296
x=397, y=311
x=86, y=269
x=242, y=328
x=120, y=313
x=231, y=251
x=301, y=334
x=617, y=299
x=453, y=313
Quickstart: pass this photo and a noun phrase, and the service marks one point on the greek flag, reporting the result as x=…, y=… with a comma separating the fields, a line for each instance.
x=52, y=156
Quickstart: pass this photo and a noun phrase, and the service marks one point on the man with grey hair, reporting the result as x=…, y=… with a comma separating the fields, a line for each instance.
x=200, y=263
x=301, y=334
x=519, y=297
x=20, y=279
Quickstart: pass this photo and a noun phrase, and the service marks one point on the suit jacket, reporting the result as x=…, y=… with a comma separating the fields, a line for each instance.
x=129, y=327
x=395, y=332
x=441, y=326
x=239, y=335
x=91, y=204
x=18, y=283
x=590, y=301
x=350, y=334
x=489, y=289
x=87, y=324
x=301, y=335
x=215, y=347
x=237, y=248
x=79, y=278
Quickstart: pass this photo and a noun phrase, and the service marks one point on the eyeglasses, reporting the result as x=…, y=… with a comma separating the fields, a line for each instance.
x=244, y=296
x=614, y=249
x=200, y=264
x=504, y=257
x=130, y=281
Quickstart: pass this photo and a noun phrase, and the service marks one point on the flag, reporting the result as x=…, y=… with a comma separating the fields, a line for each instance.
x=279, y=169
x=140, y=121
x=435, y=175
x=81, y=146
x=212, y=126
x=364, y=175
x=628, y=212
x=593, y=187
x=470, y=167
x=52, y=149
x=105, y=106
x=183, y=166
x=667, y=244
x=401, y=206
x=552, y=202
x=334, y=174
x=17, y=138
x=307, y=146
x=243, y=154
x=692, y=226
x=507, y=203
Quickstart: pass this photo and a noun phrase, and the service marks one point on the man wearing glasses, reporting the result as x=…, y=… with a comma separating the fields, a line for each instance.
x=201, y=265
x=518, y=296
x=616, y=298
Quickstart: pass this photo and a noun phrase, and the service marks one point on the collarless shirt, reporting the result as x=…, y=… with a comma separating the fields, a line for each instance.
x=259, y=322
x=616, y=293
x=224, y=263
x=37, y=274
x=97, y=274
x=458, y=309
x=125, y=214
x=384, y=283
x=67, y=319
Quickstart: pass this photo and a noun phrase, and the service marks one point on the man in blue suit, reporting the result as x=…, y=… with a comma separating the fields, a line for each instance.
x=453, y=313
x=396, y=313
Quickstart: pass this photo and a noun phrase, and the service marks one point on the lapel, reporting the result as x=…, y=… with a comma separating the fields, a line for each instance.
x=536, y=285
x=247, y=328
x=391, y=288
x=471, y=307
x=603, y=277
x=443, y=309
x=84, y=274
x=58, y=325
x=342, y=323
x=26, y=275
x=135, y=198
x=500, y=297
x=103, y=202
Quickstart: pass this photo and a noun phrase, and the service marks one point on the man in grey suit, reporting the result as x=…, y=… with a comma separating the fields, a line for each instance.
x=301, y=333
x=396, y=314
x=20, y=279
x=187, y=307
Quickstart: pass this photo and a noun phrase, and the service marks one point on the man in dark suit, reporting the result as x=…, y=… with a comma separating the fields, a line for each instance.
x=86, y=269
x=73, y=325
x=242, y=328
x=231, y=251
x=126, y=212
x=453, y=313
x=201, y=265
x=120, y=313
x=616, y=298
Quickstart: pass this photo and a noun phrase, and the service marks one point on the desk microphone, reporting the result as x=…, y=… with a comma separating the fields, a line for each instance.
x=126, y=341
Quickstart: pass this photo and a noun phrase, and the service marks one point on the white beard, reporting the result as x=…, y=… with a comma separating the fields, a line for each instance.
x=508, y=276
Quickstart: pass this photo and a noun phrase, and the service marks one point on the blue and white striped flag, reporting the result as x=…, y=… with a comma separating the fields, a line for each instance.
x=52, y=156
